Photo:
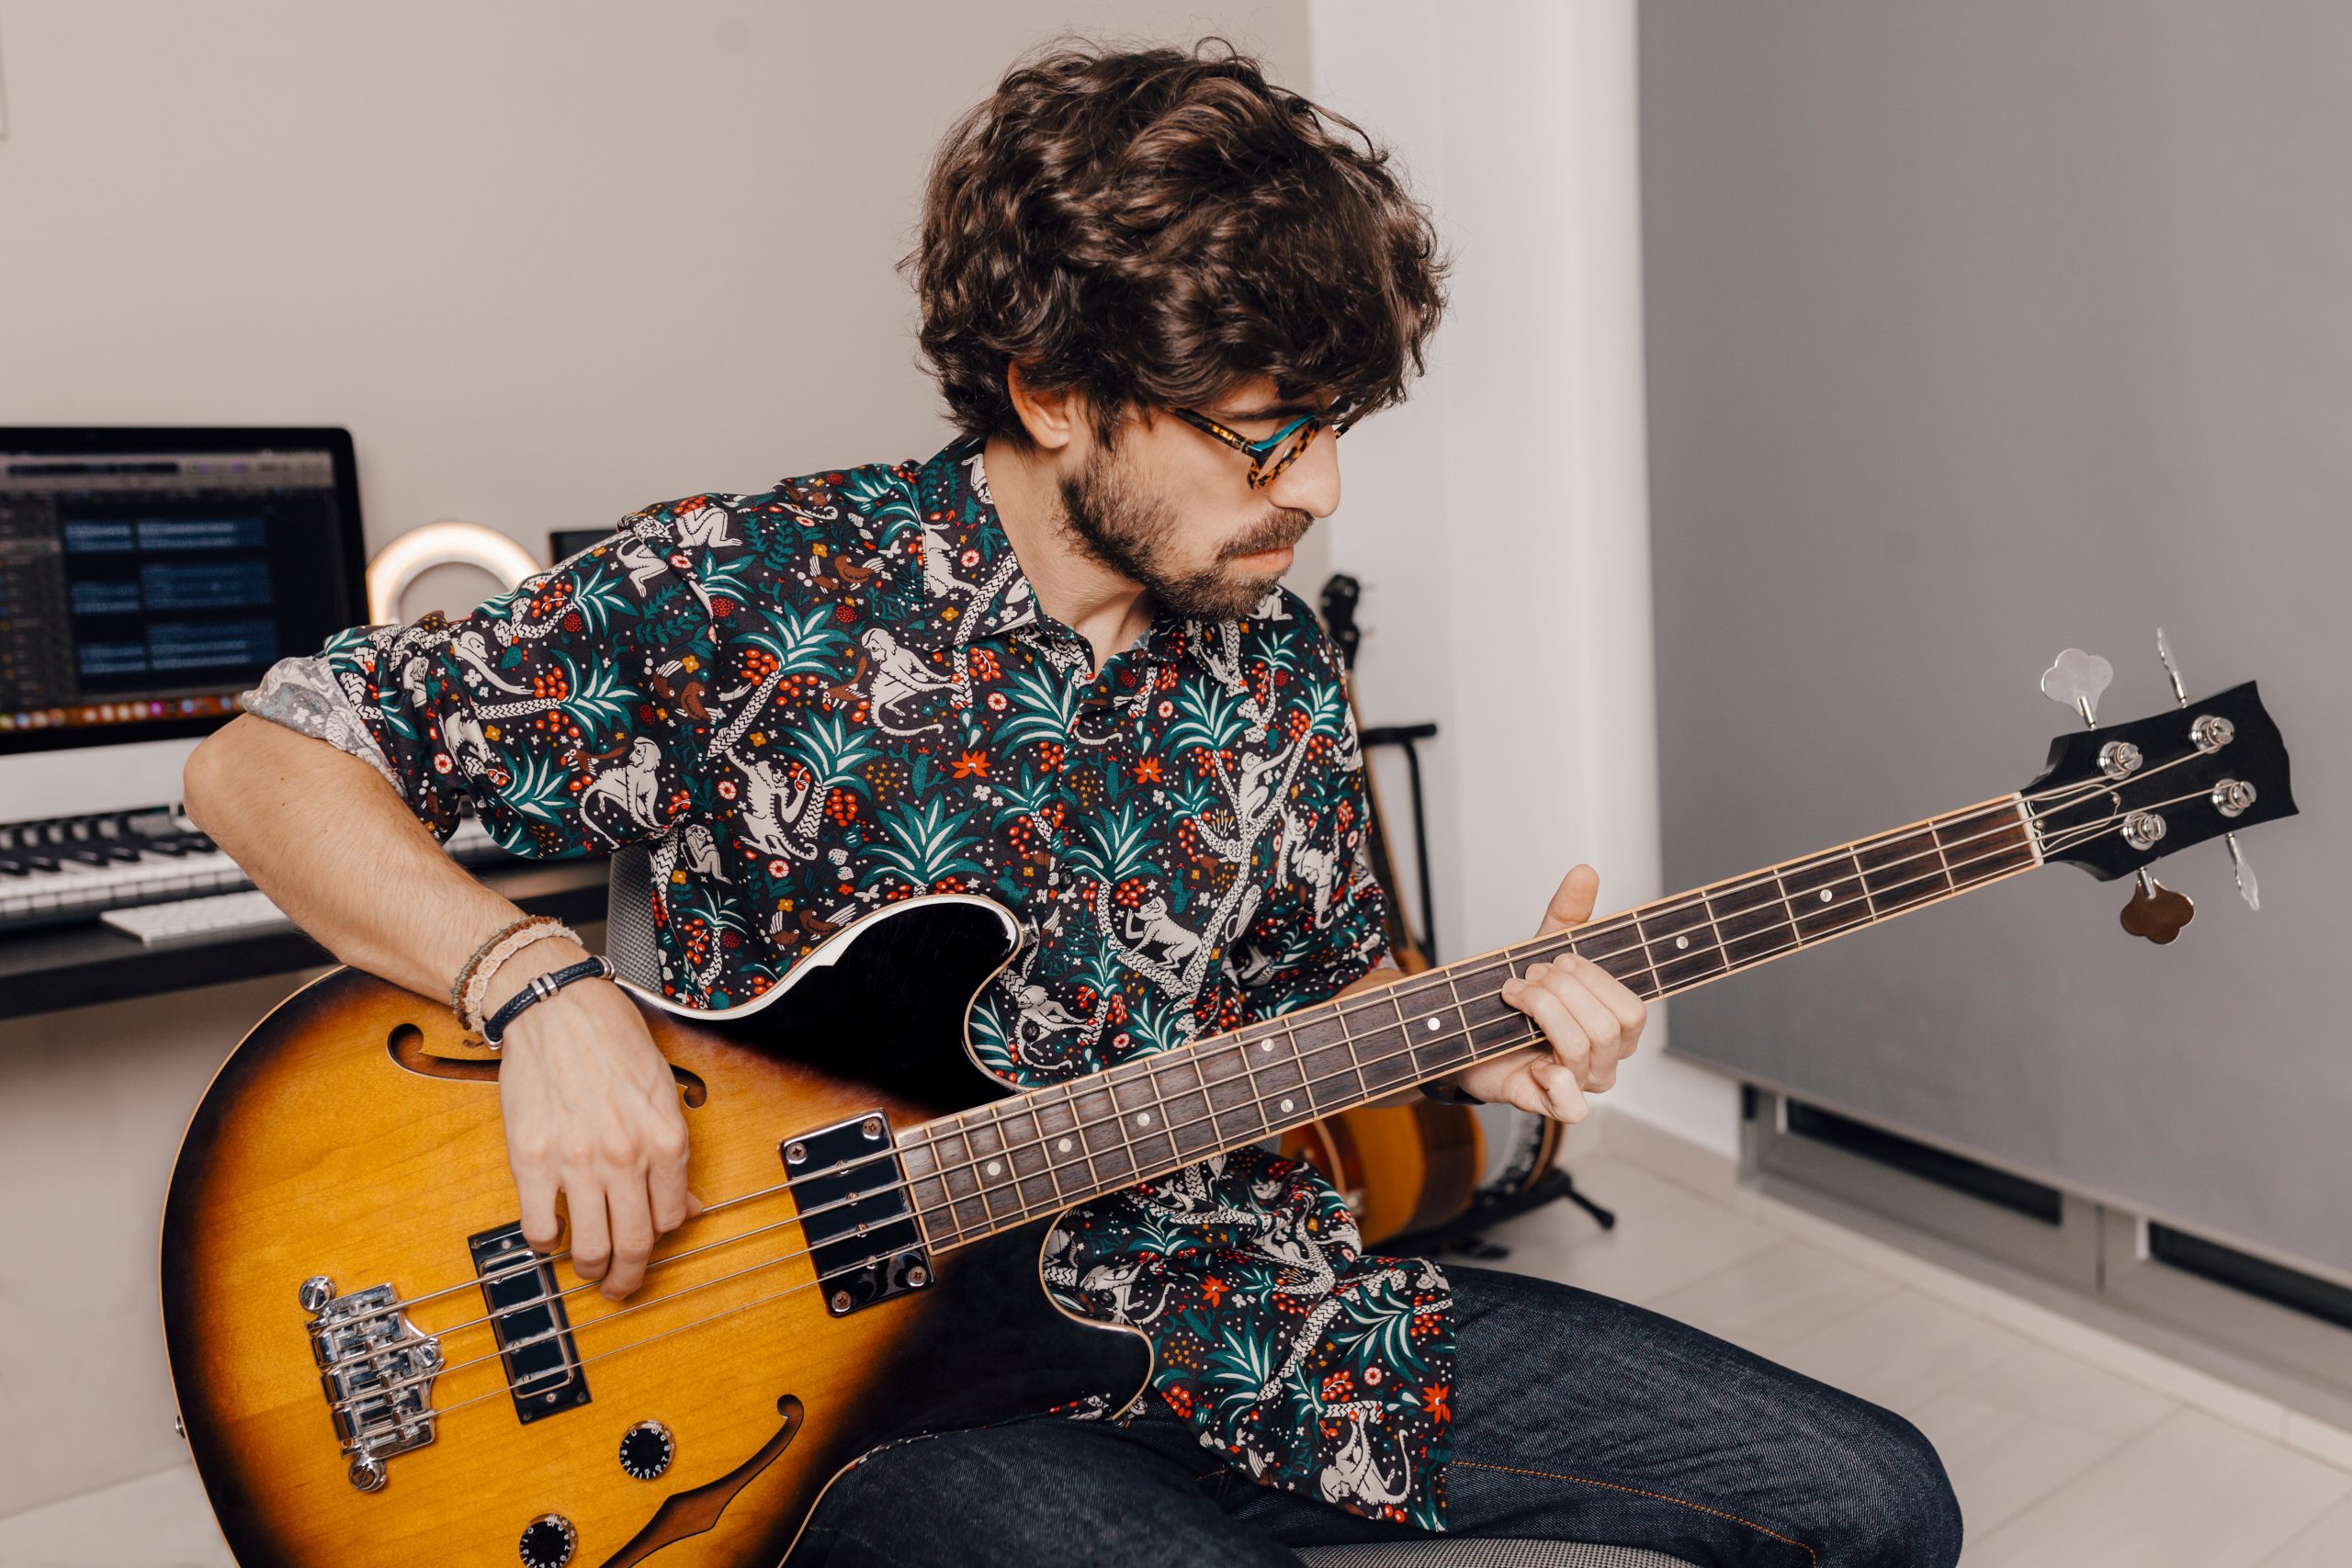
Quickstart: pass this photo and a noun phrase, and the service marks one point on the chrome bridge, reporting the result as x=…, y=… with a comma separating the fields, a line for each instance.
x=376, y=1372
x=854, y=1213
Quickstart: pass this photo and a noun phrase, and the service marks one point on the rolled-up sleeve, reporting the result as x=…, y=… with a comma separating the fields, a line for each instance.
x=566, y=712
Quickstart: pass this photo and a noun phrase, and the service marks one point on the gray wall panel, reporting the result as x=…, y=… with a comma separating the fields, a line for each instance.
x=1977, y=331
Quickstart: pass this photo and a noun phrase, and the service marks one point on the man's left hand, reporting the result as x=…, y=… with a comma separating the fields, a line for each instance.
x=1589, y=1017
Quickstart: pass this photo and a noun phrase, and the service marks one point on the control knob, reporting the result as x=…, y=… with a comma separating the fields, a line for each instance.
x=548, y=1542
x=646, y=1449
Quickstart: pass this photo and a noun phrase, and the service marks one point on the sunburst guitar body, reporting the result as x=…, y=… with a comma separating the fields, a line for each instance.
x=343, y=1190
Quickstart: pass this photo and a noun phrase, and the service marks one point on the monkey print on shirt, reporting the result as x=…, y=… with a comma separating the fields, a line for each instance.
x=840, y=692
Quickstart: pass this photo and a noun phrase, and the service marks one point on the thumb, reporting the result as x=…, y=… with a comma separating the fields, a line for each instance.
x=1572, y=905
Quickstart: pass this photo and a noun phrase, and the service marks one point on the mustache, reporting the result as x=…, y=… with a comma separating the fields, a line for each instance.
x=1279, y=532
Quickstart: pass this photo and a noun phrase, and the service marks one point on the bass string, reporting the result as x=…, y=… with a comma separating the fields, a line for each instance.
x=772, y=1296
x=1306, y=1085
x=2078, y=835
x=2071, y=793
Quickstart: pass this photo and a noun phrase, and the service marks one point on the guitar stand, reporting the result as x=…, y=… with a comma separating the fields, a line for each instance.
x=1465, y=1234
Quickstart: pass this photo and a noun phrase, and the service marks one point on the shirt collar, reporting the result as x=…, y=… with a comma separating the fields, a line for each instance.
x=974, y=588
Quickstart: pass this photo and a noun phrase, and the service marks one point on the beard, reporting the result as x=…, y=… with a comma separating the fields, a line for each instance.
x=1135, y=536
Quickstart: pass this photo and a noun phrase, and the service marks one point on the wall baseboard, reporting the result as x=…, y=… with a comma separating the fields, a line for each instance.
x=2168, y=1329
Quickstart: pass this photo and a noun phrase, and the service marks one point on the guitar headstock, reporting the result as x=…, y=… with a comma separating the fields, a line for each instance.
x=2116, y=798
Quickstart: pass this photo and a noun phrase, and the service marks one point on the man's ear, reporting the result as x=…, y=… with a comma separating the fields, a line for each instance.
x=1052, y=418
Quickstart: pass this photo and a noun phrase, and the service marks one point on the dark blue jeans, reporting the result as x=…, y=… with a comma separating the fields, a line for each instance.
x=1577, y=1417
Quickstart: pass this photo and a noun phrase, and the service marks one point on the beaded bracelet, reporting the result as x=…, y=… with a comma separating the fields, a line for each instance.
x=477, y=989
x=465, y=976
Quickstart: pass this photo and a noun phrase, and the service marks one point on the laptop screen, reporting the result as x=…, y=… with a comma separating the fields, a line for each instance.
x=149, y=576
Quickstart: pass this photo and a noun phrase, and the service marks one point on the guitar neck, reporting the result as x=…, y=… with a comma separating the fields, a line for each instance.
x=1000, y=1165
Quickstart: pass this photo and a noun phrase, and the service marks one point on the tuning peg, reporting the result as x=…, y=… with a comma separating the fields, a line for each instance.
x=2242, y=870
x=2156, y=911
x=2075, y=681
x=2172, y=673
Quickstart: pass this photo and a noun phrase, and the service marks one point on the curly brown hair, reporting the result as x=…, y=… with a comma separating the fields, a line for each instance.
x=1151, y=228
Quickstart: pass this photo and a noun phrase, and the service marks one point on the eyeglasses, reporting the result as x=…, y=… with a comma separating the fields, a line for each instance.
x=1282, y=447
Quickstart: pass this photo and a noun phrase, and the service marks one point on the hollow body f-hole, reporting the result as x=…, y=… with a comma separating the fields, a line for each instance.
x=405, y=1045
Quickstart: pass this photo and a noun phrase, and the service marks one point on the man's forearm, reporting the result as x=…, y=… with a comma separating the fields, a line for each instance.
x=322, y=833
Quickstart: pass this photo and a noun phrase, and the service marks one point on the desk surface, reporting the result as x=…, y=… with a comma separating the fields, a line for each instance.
x=51, y=967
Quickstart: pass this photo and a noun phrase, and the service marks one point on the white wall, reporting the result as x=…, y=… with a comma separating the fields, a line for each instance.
x=1499, y=521
x=548, y=261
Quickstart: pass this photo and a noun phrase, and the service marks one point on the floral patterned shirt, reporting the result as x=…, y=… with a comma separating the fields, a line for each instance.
x=815, y=700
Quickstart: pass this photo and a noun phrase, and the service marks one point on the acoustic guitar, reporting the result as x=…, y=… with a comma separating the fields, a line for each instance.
x=373, y=1369
x=1400, y=1167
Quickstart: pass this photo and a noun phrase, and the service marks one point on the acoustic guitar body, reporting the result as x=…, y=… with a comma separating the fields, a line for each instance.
x=356, y=1135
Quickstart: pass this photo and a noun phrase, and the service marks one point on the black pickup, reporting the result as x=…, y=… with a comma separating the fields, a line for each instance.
x=852, y=1194
x=543, y=1370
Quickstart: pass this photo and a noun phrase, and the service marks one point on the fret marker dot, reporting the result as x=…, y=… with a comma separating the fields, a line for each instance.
x=1826, y=896
x=1267, y=1046
x=1143, y=1118
x=1063, y=1145
x=994, y=1167
x=1682, y=942
x=1286, y=1105
x=1432, y=1023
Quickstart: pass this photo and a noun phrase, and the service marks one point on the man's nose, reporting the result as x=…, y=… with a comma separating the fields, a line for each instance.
x=1311, y=484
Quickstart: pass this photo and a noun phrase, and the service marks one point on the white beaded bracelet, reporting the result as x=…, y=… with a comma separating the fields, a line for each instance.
x=478, y=988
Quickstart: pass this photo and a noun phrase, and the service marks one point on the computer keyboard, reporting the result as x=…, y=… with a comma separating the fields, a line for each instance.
x=78, y=868
x=206, y=918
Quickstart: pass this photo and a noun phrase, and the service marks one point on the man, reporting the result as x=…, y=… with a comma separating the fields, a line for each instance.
x=1053, y=665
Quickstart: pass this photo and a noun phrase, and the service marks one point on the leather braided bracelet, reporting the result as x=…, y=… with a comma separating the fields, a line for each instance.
x=542, y=986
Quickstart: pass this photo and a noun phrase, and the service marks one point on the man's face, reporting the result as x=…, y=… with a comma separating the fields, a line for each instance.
x=1171, y=508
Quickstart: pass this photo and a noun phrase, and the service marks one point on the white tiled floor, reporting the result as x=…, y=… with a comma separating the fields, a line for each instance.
x=2069, y=1448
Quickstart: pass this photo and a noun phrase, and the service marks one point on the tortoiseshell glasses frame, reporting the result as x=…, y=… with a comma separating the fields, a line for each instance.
x=1283, y=446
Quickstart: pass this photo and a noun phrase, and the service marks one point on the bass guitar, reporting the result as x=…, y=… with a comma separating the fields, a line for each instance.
x=373, y=1369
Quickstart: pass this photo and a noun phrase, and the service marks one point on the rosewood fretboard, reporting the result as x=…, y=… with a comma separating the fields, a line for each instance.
x=1000, y=1164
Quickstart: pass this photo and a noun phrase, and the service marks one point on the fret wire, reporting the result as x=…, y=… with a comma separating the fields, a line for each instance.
x=1348, y=1039
x=1782, y=889
x=984, y=1181
x=1403, y=1028
x=2010, y=808
x=1936, y=839
x=1463, y=1014
x=1119, y=1118
x=923, y=1132
x=1068, y=1103
x=1182, y=1061
x=1046, y=1154
x=1854, y=858
x=1649, y=965
x=1257, y=1095
x=1157, y=1110
x=1707, y=913
x=1240, y=1046
x=1298, y=1059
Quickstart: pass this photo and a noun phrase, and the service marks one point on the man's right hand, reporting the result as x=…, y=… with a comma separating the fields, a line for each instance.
x=592, y=1111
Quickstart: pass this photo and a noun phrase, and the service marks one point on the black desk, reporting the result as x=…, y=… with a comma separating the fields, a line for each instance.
x=51, y=967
